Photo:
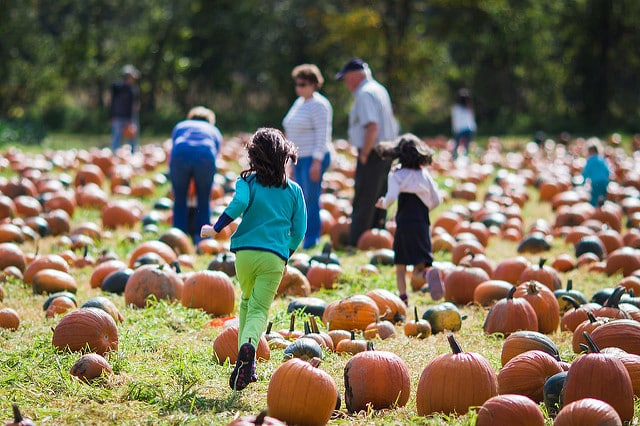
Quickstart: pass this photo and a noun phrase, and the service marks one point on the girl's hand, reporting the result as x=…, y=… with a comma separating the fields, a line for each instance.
x=379, y=203
x=207, y=231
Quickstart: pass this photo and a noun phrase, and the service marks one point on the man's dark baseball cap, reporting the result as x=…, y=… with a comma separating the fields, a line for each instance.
x=352, y=65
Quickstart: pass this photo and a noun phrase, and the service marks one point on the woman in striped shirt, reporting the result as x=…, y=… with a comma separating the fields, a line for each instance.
x=308, y=124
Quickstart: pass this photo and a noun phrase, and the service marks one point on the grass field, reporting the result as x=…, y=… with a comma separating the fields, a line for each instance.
x=164, y=368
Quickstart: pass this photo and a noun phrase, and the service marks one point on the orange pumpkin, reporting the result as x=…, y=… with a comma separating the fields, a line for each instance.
x=51, y=280
x=9, y=319
x=510, y=409
x=47, y=261
x=526, y=373
x=89, y=329
x=12, y=255
x=509, y=315
x=523, y=341
x=621, y=333
x=211, y=291
x=351, y=313
x=510, y=269
x=487, y=292
x=452, y=383
x=293, y=283
x=587, y=412
x=155, y=281
x=225, y=346
x=376, y=379
x=390, y=306
x=375, y=238
x=323, y=275
x=310, y=402
x=102, y=270
x=542, y=273
x=544, y=302
x=153, y=246
x=461, y=282
x=90, y=366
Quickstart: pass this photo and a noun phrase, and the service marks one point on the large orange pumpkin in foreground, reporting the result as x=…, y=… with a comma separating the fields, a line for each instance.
x=300, y=393
x=451, y=383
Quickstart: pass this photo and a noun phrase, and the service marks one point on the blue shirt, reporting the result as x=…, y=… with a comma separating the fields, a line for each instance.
x=274, y=219
x=197, y=133
x=596, y=169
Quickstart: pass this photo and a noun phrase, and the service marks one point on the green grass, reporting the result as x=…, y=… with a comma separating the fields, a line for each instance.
x=165, y=371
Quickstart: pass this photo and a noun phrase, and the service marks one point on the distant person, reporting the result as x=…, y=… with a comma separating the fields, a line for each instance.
x=124, y=109
x=596, y=172
x=195, y=145
x=308, y=124
x=371, y=121
x=463, y=122
x=273, y=224
x=411, y=185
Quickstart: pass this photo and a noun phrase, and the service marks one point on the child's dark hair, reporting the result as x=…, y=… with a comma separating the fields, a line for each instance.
x=269, y=150
x=411, y=151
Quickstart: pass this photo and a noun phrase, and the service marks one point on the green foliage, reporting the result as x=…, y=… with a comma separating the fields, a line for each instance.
x=27, y=132
x=530, y=64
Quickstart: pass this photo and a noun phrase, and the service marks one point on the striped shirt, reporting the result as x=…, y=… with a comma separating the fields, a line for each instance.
x=308, y=124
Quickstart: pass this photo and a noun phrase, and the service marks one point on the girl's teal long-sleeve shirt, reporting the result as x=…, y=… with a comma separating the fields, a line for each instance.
x=274, y=219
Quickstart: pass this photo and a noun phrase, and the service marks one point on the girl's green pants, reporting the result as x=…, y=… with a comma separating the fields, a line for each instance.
x=259, y=273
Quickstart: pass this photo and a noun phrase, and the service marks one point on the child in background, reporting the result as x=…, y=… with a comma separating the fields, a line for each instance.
x=417, y=194
x=463, y=122
x=273, y=224
x=596, y=172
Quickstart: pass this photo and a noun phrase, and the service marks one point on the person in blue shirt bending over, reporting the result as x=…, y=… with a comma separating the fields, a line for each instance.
x=597, y=172
x=274, y=222
x=192, y=163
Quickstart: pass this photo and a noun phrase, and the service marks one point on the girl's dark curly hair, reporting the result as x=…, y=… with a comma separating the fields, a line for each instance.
x=411, y=151
x=269, y=150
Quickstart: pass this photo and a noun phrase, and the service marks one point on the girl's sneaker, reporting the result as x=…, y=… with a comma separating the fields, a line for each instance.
x=245, y=369
x=435, y=283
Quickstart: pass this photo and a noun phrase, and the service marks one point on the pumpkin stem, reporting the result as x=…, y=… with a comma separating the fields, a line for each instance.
x=176, y=265
x=569, y=284
x=415, y=312
x=583, y=347
x=292, y=322
x=86, y=251
x=512, y=291
x=592, y=318
x=541, y=262
x=453, y=343
x=370, y=345
x=260, y=418
x=593, y=348
x=17, y=417
x=614, y=300
x=315, y=361
x=269, y=327
x=314, y=324
x=307, y=328
x=574, y=303
x=353, y=335
x=532, y=288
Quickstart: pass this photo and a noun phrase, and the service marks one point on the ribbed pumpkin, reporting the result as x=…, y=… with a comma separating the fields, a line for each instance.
x=293, y=283
x=576, y=314
x=510, y=409
x=543, y=273
x=383, y=329
x=587, y=412
x=510, y=269
x=302, y=394
x=390, y=306
x=631, y=363
x=225, y=346
x=622, y=333
x=625, y=259
x=452, y=383
x=509, y=315
x=544, y=302
x=600, y=376
x=351, y=313
x=211, y=291
x=152, y=280
x=351, y=345
x=522, y=341
x=461, y=282
x=89, y=329
x=526, y=373
x=589, y=325
x=378, y=379
x=90, y=366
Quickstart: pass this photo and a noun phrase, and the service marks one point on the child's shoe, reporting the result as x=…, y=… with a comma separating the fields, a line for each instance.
x=245, y=369
x=405, y=299
x=435, y=283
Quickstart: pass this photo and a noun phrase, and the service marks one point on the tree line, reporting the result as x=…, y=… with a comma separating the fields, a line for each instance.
x=531, y=65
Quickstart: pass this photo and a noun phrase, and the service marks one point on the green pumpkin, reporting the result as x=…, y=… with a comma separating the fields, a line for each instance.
x=443, y=316
x=304, y=348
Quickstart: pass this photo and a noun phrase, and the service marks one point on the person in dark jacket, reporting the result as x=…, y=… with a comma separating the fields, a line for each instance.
x=125, y=105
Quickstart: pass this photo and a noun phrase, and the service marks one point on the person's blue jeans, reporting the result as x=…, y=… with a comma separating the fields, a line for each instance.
x=117, y=124
x=311, y=191
x=464, y=137
x=188, y=163
x=598, y=192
